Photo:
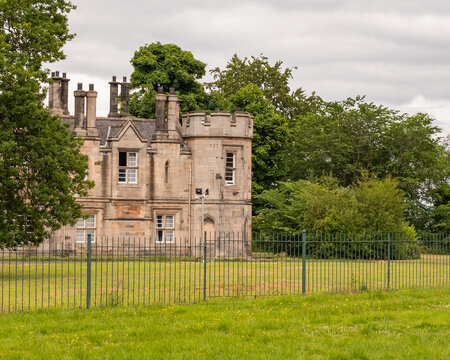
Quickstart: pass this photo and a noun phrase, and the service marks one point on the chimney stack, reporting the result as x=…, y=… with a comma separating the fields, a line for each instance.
x=79, y=107
x=173, y=112
x=113, y=97
x=160, y=110
x=55, y=102
x=124, y=97
x=91, y=109
x=65, y=94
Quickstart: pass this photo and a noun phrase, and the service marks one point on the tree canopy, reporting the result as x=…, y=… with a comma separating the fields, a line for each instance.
x=351, y=137
x=165, y=65
x=42, y=169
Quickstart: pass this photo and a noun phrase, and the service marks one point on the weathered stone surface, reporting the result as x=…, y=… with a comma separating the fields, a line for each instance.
x=169, y=167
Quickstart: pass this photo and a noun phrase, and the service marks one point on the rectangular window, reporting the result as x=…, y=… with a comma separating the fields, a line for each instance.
x=165, y=228
x=86, y=227
x=128, y=165
x=230, y=167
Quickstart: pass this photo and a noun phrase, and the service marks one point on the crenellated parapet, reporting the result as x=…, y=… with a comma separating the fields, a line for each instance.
x=217, y=124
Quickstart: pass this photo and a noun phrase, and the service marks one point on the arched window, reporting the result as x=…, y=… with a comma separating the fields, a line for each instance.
x=166, y=172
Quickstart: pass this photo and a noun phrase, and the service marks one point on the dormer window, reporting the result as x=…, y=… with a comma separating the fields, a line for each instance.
x=128, y=165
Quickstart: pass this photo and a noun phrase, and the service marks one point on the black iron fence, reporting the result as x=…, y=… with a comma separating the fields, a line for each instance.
x=125, y=271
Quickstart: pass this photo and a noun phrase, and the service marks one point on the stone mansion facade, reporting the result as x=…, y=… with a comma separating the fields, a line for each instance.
x=146, y=171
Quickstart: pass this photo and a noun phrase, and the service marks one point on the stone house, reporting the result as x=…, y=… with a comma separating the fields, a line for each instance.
x=146, y=171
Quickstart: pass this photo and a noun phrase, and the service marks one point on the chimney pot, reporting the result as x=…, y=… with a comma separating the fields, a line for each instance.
x=79, y=106
x=65, y=94
x=113, y=97
x=91, y=109
x=124, y=97
x=56, y=95
x=173, y=112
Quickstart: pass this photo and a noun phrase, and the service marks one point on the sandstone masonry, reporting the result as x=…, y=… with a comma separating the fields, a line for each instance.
x=146, y=170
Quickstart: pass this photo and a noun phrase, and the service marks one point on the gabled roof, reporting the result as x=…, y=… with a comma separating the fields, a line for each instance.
x=109, y=128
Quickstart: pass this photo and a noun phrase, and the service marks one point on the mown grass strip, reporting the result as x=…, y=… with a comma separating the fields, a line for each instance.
x=406, y=324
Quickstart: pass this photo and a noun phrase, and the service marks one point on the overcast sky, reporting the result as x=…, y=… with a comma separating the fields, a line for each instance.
x=395, y=52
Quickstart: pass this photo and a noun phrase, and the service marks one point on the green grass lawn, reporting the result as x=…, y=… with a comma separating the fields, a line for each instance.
x=405, y=324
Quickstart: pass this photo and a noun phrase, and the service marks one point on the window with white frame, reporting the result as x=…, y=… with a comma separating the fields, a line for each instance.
x=230, y=168
x=128, y=167
x=86, y=227
x=164, y=228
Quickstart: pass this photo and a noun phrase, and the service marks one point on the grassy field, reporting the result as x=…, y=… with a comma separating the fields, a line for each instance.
x=405, y=324
x=61, y=282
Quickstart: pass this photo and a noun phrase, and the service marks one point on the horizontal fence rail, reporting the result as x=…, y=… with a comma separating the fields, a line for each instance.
x=111, y=271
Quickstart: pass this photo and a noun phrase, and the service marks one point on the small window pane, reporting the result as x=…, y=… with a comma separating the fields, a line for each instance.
x=132, y=176
x=122, y=158
x=169, y=221
x=122, y=175
x=80, y=223
x=80, y=236
x=159, y=236
x=230, y=160
x=90, y=222
x=169, y=235
x=159, y=221
x=132, y=159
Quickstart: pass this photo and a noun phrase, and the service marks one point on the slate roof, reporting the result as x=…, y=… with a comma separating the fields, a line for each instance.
x=111, y=127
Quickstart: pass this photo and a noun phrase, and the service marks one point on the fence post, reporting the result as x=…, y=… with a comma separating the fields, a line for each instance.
x=204, y=267
x=303, y=262
x=88, y=272
x=389, y=261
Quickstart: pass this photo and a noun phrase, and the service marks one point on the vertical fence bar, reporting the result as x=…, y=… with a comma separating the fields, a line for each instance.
x=204, y=267
x=389, y=261
x=303, y=262
x=88, y=272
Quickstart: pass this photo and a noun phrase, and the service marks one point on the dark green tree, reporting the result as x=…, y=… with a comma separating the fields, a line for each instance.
x=269, y=138
x=165, y=65
x=41, y=167
x=273, y=80
x=351, y=137
x=440, y=219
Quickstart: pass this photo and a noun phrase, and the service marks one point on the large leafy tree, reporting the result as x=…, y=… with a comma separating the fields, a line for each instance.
x=165, y=65
x=256, y=86
x=41, y=167
x=269, y=137
x=271, y=79
x=351, y=137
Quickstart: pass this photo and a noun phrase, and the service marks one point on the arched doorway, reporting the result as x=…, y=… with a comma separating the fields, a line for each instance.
x=209, y=228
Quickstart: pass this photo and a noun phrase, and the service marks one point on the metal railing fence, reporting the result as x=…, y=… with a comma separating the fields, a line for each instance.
x=140, y=271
